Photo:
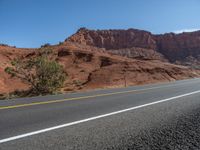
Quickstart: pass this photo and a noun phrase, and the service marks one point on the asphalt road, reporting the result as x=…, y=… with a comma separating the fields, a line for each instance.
x=156, y=116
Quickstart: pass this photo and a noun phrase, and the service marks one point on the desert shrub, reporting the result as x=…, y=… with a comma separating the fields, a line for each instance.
x=3, y=96
x=77, y=82
x=60, y=43
x=3, y=44
x=45, y=45
x=45, y=76
x=45, y=51
x=6, y=45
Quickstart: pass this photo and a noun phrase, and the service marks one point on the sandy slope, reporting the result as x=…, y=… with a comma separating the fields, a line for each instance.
x=90, y=67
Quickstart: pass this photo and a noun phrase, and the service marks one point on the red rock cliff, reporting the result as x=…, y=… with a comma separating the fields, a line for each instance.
x=174, y=47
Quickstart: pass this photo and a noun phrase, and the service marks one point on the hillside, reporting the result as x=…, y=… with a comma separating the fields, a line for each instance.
x=113, y=58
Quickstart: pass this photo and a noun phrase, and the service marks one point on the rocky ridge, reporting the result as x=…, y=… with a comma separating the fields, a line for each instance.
x=181, y=48
x=108, y=58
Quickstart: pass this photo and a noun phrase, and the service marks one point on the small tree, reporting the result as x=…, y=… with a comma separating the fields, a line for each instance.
x=42, y=74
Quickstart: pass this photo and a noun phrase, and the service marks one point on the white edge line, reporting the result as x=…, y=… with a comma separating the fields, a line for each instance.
x=93, y=118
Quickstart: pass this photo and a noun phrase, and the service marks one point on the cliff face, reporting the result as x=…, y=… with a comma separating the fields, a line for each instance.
x=139, y=53
x=179, y=46
x=114, y=39
x=174, y=47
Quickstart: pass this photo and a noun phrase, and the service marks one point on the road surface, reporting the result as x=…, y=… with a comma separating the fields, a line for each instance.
x=154, y=116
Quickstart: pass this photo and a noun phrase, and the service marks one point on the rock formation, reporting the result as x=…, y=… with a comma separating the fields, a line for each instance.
x=182, y=48
x=109, y=58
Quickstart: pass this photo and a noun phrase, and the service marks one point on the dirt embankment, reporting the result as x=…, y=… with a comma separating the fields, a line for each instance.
x=90, y=67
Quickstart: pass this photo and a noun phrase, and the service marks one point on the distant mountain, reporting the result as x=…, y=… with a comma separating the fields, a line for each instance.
x=181, y=48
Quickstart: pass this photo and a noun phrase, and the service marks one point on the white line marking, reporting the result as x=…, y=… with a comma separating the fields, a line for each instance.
x=93, y=118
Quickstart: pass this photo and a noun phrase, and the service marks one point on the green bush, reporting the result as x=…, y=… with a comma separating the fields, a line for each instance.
x=45, y=76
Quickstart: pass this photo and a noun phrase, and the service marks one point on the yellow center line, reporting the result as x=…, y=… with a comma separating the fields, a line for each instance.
x=82, y=97
x=77, y=98
x=69, y=99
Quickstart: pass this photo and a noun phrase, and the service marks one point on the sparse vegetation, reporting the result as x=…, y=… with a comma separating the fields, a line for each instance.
x=3, y=44
x=6, y=45
x=2, y=96
x=45, y=45
x=45, y=76
x=45, y=51
x=60, y=43
x=77, y=82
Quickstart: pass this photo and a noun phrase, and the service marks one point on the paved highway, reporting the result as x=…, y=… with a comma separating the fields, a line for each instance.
x=156, y=116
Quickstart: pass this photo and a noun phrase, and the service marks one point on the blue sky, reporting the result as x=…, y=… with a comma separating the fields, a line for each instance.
x=31, y=23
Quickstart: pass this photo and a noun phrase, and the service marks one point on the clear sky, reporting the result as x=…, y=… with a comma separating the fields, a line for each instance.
x=31, y=23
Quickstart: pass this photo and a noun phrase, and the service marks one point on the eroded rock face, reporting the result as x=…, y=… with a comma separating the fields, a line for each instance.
x=179, y=46
x=174, y=47
x=114, y=39
x=139, y=53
